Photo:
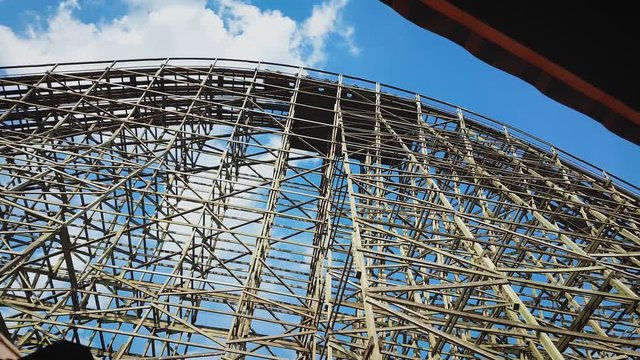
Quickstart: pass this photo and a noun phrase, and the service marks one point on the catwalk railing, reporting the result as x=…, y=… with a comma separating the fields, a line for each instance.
x=181, y=208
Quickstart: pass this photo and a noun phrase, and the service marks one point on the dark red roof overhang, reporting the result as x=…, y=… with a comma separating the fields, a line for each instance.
x=581, y=55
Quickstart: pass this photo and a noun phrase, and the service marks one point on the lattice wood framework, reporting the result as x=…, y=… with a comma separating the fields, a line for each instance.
x=185, y=208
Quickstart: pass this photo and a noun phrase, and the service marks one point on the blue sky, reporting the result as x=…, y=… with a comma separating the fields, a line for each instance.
x=359, y=37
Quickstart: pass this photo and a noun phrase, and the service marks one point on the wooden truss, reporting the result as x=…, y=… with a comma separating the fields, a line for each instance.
x=209, y=208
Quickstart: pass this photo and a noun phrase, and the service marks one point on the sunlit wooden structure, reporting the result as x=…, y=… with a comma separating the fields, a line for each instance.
x=211, y=208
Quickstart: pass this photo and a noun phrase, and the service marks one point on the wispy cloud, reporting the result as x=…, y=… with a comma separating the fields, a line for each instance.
x=158, y=28
x=324, y=21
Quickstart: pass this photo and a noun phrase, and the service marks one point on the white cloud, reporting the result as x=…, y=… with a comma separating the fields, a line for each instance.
x=324, y=20
x=160, y=28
